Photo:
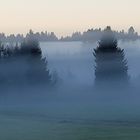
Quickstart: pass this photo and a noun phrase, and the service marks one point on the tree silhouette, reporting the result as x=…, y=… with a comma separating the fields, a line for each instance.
x=24, y=65
x=111, y=65
x=131, y=30
x=37, y=71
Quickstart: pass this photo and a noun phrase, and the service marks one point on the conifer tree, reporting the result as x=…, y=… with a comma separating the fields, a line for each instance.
x=111, y=65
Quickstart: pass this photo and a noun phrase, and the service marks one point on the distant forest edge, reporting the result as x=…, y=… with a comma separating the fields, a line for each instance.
x=88, y=36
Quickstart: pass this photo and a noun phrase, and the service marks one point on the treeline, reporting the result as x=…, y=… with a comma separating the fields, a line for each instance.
x=19, y=38
x=95, y=35
x=89, y=35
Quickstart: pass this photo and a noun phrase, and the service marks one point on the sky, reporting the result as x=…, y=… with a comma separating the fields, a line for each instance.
x=66, y=16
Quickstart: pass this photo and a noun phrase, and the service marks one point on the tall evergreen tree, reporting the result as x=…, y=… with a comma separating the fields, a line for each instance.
x=24, y=65
x=37, y=71
x=111, y=65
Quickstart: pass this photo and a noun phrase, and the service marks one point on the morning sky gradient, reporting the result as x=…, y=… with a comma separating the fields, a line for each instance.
x=66, y=16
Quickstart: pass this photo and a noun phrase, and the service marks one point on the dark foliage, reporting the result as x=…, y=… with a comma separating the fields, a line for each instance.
x=111, y=65
x=87, y=36
x=92, y=35
x=23, y=65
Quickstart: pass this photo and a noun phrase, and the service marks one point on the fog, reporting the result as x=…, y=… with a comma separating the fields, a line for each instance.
x=75, y=101
x=75, y=64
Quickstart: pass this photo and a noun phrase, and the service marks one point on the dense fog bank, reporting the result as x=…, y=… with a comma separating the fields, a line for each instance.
x=71, y=79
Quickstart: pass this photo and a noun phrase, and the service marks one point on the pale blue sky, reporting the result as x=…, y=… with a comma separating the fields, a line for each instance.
x=67, y=16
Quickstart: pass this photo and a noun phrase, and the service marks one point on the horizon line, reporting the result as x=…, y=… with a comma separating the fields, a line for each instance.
x=71, y=33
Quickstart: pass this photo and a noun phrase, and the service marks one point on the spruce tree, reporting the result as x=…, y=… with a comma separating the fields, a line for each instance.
x=37, y=71
x=111, y=65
